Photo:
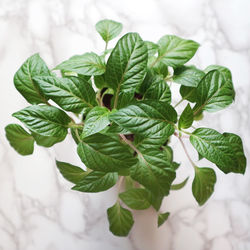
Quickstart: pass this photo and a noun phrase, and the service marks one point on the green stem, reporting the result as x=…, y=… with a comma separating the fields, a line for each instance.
x=179, y=102
x=186, y=152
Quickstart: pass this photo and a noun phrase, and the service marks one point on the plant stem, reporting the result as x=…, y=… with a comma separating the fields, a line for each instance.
x=179, y=102
x=106, y=46
x=186, y=152
x=130, y=144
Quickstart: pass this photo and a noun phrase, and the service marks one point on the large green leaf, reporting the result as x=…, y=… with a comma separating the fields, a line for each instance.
x=186, y=118
x=203, y=184
x=214, y=92
x=87, y=64
x=237, y=146
x=71, y=93
x=136, y=198
x=71, y=172
x=33, y=66
x=96, y=120
x=105, y=153
x=19, y=139
x=147, y=118
x=175, y=51
x=159, y=91
x=153, y=171
x=188, y=76
x=108, y=29
x=96, y=181
x=218, y=149
x=120, y=220
x=47, y=141
x=126, y=66
x=44, y=120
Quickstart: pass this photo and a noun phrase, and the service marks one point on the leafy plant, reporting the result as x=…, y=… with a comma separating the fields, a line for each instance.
x=124, y=106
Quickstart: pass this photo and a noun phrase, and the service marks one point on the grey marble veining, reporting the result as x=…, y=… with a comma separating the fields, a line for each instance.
x=38, y=211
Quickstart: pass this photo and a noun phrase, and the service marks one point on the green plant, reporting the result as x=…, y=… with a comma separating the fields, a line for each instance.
x=125, y=126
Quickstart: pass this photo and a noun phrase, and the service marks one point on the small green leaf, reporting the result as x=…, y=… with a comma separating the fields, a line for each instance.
x=70, y=172
x=71, y=93
x=19, y=139
x=147, y=118
x=237, y=147
x=129, y=183
x=136, y=198
x=203, y=184
x=175, y=51
x=225, y=71
x=47, y=141
x=108, y=29
x=126, y=66
x=44, y=120
x=179, y=185
x=96, y=181
x=186, y=118
x=188, y=93
x=33, y=66
x=100, y=81
x=188, y=76
x=218, y=149
x=87, y=64
x=105, y=153
x=96, y=120
x=214, y=92
x=120, y=220
x=162, y=218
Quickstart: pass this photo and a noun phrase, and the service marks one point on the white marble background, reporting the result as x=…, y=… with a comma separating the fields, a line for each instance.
x=38, y=211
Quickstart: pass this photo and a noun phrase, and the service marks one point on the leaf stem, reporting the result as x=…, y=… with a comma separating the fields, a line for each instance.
x=179, y=102
x=186, y=152
x=130, y=144
x=106, y=46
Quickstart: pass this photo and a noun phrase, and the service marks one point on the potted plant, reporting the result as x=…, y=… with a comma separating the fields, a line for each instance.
x=118, y=108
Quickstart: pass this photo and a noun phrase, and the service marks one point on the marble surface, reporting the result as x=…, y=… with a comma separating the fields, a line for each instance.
x=38, y=211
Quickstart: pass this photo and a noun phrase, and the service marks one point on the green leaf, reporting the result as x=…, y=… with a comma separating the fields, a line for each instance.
x=19, y=139
x=159, y=91
x=44, y=120
x=100, y=81
x=186, y=118
x=108, y=29
x=71, y=93
x=116, y=129
x=87, y=64
x=188, y=76
x=70, y=172
x=129, y=183
x=216, y=148
x=162, y=218
x=126, y=66
x=33, y=66
x=179, y=185
x=96, y=181
x=136, y=198
x=147, y=118
x=203, y=184
x=120, y=220
x=188, y=93
x=47, y=141
x=96, y=120
x=105, y=153
x=237, y=147
x=156, y=200
x=160, y=68
x=214, y=92
x=152, y=48
x=175, y=51
x=225, y=71
x=153, y=171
